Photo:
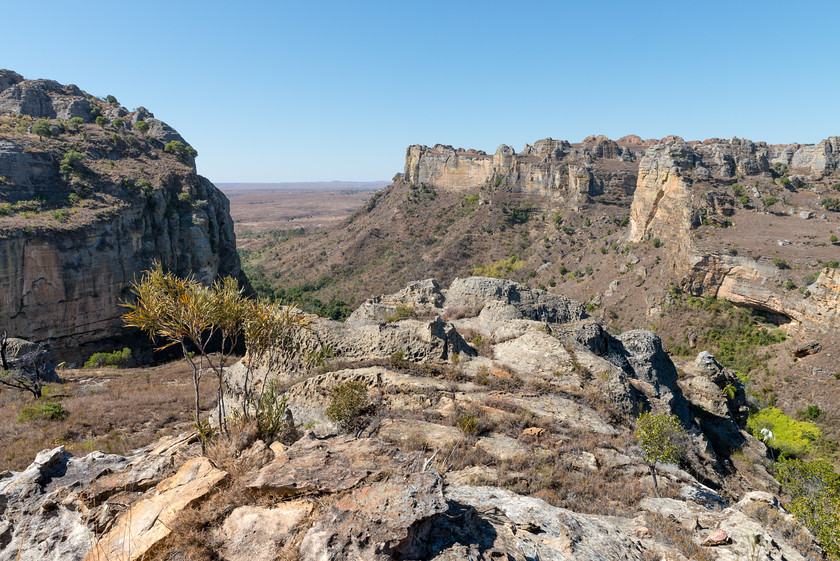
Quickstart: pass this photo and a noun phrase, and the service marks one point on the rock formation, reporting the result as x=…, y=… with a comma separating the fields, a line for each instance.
x=74, y=236
x=552, y=167
x=554, y=395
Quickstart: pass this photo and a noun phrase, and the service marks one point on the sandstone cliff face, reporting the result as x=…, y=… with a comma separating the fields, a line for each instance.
x=674, y=178
x=71, y=243
x=683, y=185
x=548, y=167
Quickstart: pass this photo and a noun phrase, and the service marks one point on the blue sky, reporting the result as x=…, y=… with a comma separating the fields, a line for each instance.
x=316, y=91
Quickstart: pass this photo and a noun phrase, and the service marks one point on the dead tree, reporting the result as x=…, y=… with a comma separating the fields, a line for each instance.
x=27, y=371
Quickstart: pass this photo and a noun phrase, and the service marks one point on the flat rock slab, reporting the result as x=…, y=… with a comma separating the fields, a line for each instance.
x=503, y=447
x=406, y=431
x=377, y=522
x=254, y=533
x=149, y=519
x=326, y=465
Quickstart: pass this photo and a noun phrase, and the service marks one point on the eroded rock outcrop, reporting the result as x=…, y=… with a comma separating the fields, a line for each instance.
x=575, y=172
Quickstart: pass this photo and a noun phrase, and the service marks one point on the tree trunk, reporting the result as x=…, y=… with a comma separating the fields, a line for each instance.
x=653, y=474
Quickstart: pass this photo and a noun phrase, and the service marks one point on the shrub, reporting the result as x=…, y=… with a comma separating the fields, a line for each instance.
x=112, y=100
x=48, y=411
x=271, y=412
x=145, y=187
x=73, y=199
x=833, y=238
x=743, y=200
x=60, y=214
x=350, y=406
x=112, y=359
x=770, y=201
x=468, y=424
x=72, y=161
x=118, y=123
x=833, y=264
x=780, y=263
x=737, y=190
x=179, y=149
x=812, y=412
x=831, y=204
x=499, y=269
x=42, y=128
x=142, y=126
x=814, y=488
x=76, y=122
x=657, y=242
x=101, y=121
x=400, y=312
x=185, y=198
x=792, y=438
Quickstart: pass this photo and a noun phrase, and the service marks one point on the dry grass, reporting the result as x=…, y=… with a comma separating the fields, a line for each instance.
x=775, y=521
x=115, y=410
x=668, y=531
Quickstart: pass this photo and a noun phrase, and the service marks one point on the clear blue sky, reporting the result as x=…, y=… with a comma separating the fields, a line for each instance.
x=311, y=91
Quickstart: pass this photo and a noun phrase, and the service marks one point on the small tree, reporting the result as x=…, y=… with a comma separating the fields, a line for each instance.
x=142, y=126
x=179, y=149
x=42, y=128
x=101, y=121
x=75, y=123
x=118, y=123
x=112, y=100
x=662, y=439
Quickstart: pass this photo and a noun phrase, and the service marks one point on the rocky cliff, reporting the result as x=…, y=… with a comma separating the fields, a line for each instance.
x=86, y=206
x=574, y=172
x=731, y=185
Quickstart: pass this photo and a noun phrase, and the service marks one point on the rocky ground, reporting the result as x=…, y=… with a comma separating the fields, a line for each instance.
x=499, y=425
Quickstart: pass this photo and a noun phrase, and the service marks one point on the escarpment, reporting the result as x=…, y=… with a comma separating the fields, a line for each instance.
x=730, y=187
x=91, y=195
x=720, y=209
x=575, y=172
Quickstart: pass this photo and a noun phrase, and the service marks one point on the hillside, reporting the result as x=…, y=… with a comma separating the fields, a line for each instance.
x=640, y=230
x=90, y=195
x=485, y=420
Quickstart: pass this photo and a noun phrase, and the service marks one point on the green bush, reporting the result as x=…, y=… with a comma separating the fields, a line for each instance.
x=833, y=264
x=814, y=488
x=400, y=312
x=76, y=122
x=185, y=198
x=118, y=123
x=113, y=359
x=42, y=128
x=499, y=269
x=468, y=424
x=71, y=161
x=657, y=242
x=792, y=438
x=112, y=100
x=179, y=149
x=831, y=204
x=145, y=187
x=350, y=406
x=48, y=411
x=833, y=238
x=60, y=214
x=101, y=121
x=142, y=126
x=780, y=263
